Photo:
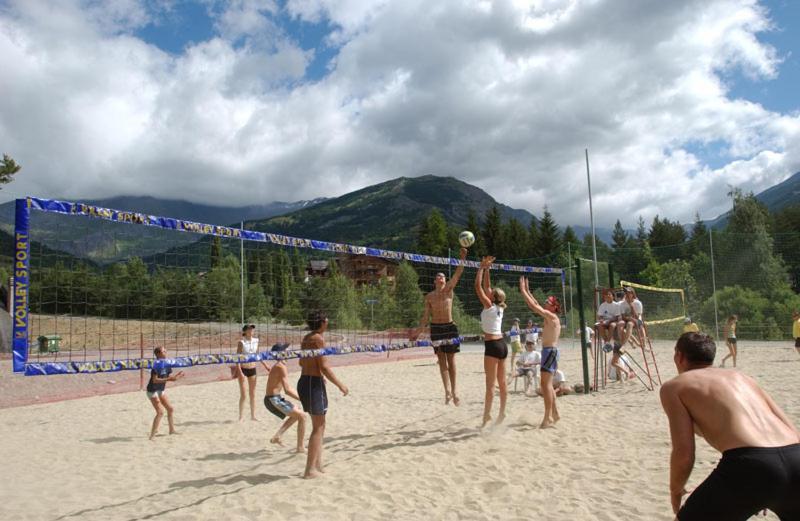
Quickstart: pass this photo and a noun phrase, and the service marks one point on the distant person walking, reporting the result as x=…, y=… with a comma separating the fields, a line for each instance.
x=439, y=310
x=796, y=330
x=730, y=339
x=760, y=465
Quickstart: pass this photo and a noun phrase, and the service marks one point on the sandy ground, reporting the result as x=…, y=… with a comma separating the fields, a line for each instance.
x=393, y=450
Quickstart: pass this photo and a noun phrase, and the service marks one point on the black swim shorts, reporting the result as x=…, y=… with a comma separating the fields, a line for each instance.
x=441, y=332
x=313, y=395
x=496, y=349
x=249, y=371
x=747, y=480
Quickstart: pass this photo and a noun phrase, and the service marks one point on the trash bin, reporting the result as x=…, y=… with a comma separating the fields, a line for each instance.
x=49, y=343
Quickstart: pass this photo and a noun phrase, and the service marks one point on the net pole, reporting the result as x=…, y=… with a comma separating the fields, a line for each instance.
x=241, y=267
x=582, y=318
x=591, y=220
x=571, y=308
x=564, y=299
x=713, y=279
x=141, y=356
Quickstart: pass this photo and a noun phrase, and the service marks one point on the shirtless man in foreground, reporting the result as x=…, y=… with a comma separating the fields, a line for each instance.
x=439, y=311
x=760, y=465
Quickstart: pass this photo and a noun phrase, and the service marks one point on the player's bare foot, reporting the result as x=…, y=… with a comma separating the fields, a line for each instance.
x=319, y=469
x=447, y=397
x=500, y=418
x=300, y=450
x=555, y=417
x=547, y=424
x=456, y=400
x=311, y=474
x=486, y=419
x=276, y=440
x=254, y=419
x=173, y=431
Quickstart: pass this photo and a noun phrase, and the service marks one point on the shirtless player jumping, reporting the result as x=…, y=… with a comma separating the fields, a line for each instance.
x=439, y=310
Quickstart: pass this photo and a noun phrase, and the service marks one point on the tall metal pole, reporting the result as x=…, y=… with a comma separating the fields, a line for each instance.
x=713, y=279
x=571, y=309
x=241, y=265
x=594, y=242
x=582, y=319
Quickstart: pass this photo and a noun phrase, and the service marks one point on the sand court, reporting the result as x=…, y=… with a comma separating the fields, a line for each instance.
x=392, y=450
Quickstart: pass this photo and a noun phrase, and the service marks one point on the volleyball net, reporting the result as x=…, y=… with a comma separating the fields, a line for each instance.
x=664, y=308
x=97, y=289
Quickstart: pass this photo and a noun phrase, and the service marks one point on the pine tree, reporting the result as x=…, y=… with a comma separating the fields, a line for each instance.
x=532, y=250
x=478, y=249
x=619, y=236
x=216, y=251
x=514, y=240
x=8, y=167
x=549, y=236
x=432, y=238
x=492, y=230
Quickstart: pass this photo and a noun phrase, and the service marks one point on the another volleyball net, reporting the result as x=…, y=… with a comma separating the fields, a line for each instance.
x=97, y=289
x=664, y=309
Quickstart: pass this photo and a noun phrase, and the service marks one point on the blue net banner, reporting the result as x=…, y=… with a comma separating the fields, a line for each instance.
x=104, y=366
x=121, y=216
x=22, y=280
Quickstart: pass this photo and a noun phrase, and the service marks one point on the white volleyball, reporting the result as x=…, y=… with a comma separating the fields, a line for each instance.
x=466, y=238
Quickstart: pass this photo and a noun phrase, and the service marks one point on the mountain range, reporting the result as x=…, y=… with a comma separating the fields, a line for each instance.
x=384, y=215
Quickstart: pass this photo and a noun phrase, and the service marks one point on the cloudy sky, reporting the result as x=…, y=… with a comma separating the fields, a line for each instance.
x=250, y=101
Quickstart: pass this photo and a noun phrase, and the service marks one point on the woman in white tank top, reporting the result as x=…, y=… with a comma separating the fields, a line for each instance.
x=495, y=349
x=248, y=345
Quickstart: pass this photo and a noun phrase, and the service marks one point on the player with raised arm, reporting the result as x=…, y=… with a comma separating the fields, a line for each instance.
x=439, y=312
x=550, y=334
x=495, y=353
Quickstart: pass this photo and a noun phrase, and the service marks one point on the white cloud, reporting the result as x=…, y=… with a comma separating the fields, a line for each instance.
x=505, y=95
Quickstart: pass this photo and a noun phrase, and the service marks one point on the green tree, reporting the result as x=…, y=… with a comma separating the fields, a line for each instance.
x=786, y=237
x=478, y=249
x=666, y=239
x=549, y=235
x=492, y=231
x=216, y=251
x=8, y=167
x=532, y=250
x=514, y=240
x=432, y=238
x=222, y=289
x=408, y=297
x=256, y=307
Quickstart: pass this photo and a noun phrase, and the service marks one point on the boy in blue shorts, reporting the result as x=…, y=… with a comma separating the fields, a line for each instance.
x=275, y=403
x=550, y=334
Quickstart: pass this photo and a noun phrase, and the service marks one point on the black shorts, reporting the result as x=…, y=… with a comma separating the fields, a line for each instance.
x=313, y=395
x=441, y=332
x=249, y=371
x=496, y=349
x=797, y=342
x=732, y=340
x=747, y=480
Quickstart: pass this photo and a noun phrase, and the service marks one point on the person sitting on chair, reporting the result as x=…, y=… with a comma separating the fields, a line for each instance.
x=528, y=364
x=631, y=310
